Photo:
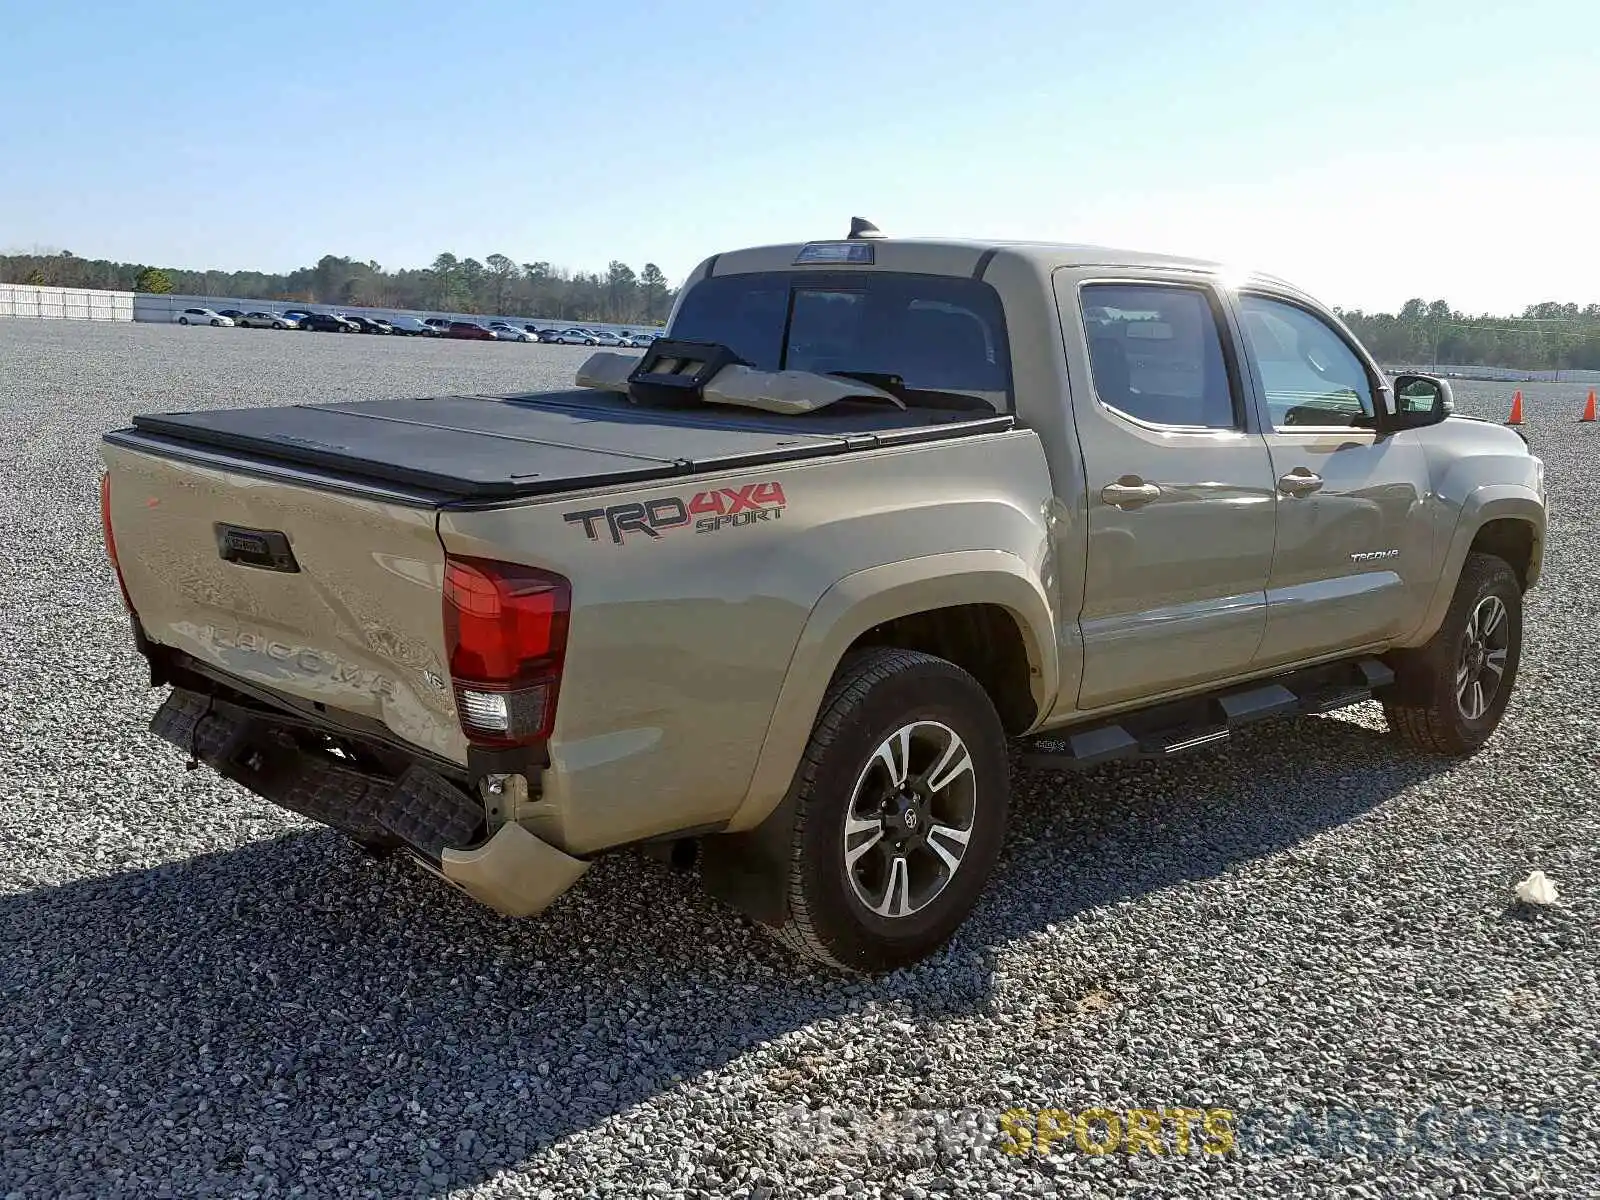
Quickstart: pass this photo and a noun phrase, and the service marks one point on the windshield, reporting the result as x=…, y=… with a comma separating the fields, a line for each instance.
x=936, y=333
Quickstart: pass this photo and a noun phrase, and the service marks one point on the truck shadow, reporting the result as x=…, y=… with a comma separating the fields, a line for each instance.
x=301, y=1014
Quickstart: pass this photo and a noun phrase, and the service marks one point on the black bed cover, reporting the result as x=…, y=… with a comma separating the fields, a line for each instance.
x=479, y=449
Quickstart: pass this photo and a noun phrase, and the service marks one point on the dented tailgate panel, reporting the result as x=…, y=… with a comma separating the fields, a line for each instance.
x=354, y=623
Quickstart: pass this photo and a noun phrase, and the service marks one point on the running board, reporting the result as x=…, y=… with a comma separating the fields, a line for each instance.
x=1168, y=730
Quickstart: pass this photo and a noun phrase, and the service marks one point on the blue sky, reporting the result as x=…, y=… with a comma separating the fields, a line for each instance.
x=1367, y=151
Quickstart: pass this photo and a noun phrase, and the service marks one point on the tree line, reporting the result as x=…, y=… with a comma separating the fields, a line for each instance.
x=1545, y=337
x=497, y=284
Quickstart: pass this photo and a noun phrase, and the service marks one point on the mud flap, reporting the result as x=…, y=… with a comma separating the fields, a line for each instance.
x=750, y=871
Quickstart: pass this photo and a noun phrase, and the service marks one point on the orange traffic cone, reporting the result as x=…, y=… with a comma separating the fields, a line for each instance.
x=1588, y=409
x=1516, y=409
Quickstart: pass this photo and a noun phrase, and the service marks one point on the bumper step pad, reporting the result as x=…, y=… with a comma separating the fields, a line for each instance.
x=421, y=809
x=430, y=813
x=1167, y=731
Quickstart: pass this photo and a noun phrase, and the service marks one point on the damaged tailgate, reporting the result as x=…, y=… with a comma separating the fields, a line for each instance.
x=334, y=599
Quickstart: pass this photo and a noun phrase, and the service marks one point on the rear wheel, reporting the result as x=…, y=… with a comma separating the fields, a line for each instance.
x=1449, y=695
x=900, y=806
x=183, y=320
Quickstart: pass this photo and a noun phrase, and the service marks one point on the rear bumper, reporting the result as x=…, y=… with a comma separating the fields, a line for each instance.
x=373, y=797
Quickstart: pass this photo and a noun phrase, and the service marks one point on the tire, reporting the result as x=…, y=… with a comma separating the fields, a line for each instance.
x=843, y=914
x=1429, y=707
x=183, y=320
x=216, y=324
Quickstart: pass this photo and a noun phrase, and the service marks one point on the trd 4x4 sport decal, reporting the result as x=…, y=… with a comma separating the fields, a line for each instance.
x=708, y=512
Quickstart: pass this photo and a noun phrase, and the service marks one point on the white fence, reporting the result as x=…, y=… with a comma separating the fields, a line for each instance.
x=64, y=304
x=1501, y=374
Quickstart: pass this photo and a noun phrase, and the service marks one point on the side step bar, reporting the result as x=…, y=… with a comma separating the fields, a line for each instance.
x=1168, y=730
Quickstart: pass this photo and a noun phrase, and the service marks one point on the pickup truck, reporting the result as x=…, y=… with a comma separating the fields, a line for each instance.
x=785, y=593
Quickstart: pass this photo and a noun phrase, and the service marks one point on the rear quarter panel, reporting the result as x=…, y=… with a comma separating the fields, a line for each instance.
x=680, y=644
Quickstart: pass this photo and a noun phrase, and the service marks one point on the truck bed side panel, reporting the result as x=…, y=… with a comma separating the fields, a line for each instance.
x=680, y=643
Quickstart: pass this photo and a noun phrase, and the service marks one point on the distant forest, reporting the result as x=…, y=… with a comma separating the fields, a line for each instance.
x=1545, y=336
x=449, y=284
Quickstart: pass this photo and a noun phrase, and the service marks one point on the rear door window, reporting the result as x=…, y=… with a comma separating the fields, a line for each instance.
x=931, y=333
x=1155, y=354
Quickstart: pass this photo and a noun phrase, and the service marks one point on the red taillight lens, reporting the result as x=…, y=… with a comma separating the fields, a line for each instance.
x=111, y=541
x=506, y=633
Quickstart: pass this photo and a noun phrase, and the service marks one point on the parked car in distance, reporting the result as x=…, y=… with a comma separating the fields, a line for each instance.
x=370, y=324
x=507, y=332
x=441, y=325
x=412, y=327
x=328, y=323
x=470, y=331
x=265, y=320
x=233, y=314
x=200, y=316
x=574, y=337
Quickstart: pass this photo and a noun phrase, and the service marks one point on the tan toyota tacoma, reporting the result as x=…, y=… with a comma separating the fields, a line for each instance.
x=784, y=588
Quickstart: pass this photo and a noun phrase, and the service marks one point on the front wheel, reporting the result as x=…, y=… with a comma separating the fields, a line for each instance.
x=900, y=810
x=1449, y=695
x=216, y=324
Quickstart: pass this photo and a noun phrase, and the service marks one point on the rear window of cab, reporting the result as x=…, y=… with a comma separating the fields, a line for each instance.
x=937, y=333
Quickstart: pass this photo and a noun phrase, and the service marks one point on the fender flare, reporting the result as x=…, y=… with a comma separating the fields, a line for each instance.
x=866, y=598
x=1490, y=502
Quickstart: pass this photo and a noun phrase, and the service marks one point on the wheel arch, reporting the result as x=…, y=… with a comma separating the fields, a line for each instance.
x=1506, y=520
x=982, y=609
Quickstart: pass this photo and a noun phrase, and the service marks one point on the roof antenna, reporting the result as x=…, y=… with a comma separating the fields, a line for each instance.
x=861, y=228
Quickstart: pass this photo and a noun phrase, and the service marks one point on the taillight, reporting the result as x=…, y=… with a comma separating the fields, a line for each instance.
x=506, y=635
x=111, y=541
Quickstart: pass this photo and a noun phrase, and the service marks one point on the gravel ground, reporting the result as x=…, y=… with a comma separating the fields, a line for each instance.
x=200, y=994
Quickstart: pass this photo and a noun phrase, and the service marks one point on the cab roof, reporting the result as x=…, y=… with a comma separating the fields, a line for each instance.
x=957, y=256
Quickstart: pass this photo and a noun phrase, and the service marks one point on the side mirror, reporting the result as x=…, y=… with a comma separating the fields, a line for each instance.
x=1421, y=400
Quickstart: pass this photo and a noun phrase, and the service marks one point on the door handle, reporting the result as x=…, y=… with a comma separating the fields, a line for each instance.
x=1301, y=481
x=1129, y=492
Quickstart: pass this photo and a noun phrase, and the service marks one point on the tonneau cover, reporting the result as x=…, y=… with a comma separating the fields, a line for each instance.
x=488, y=448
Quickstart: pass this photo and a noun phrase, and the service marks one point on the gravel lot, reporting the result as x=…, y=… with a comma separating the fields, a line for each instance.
x=200, y=994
